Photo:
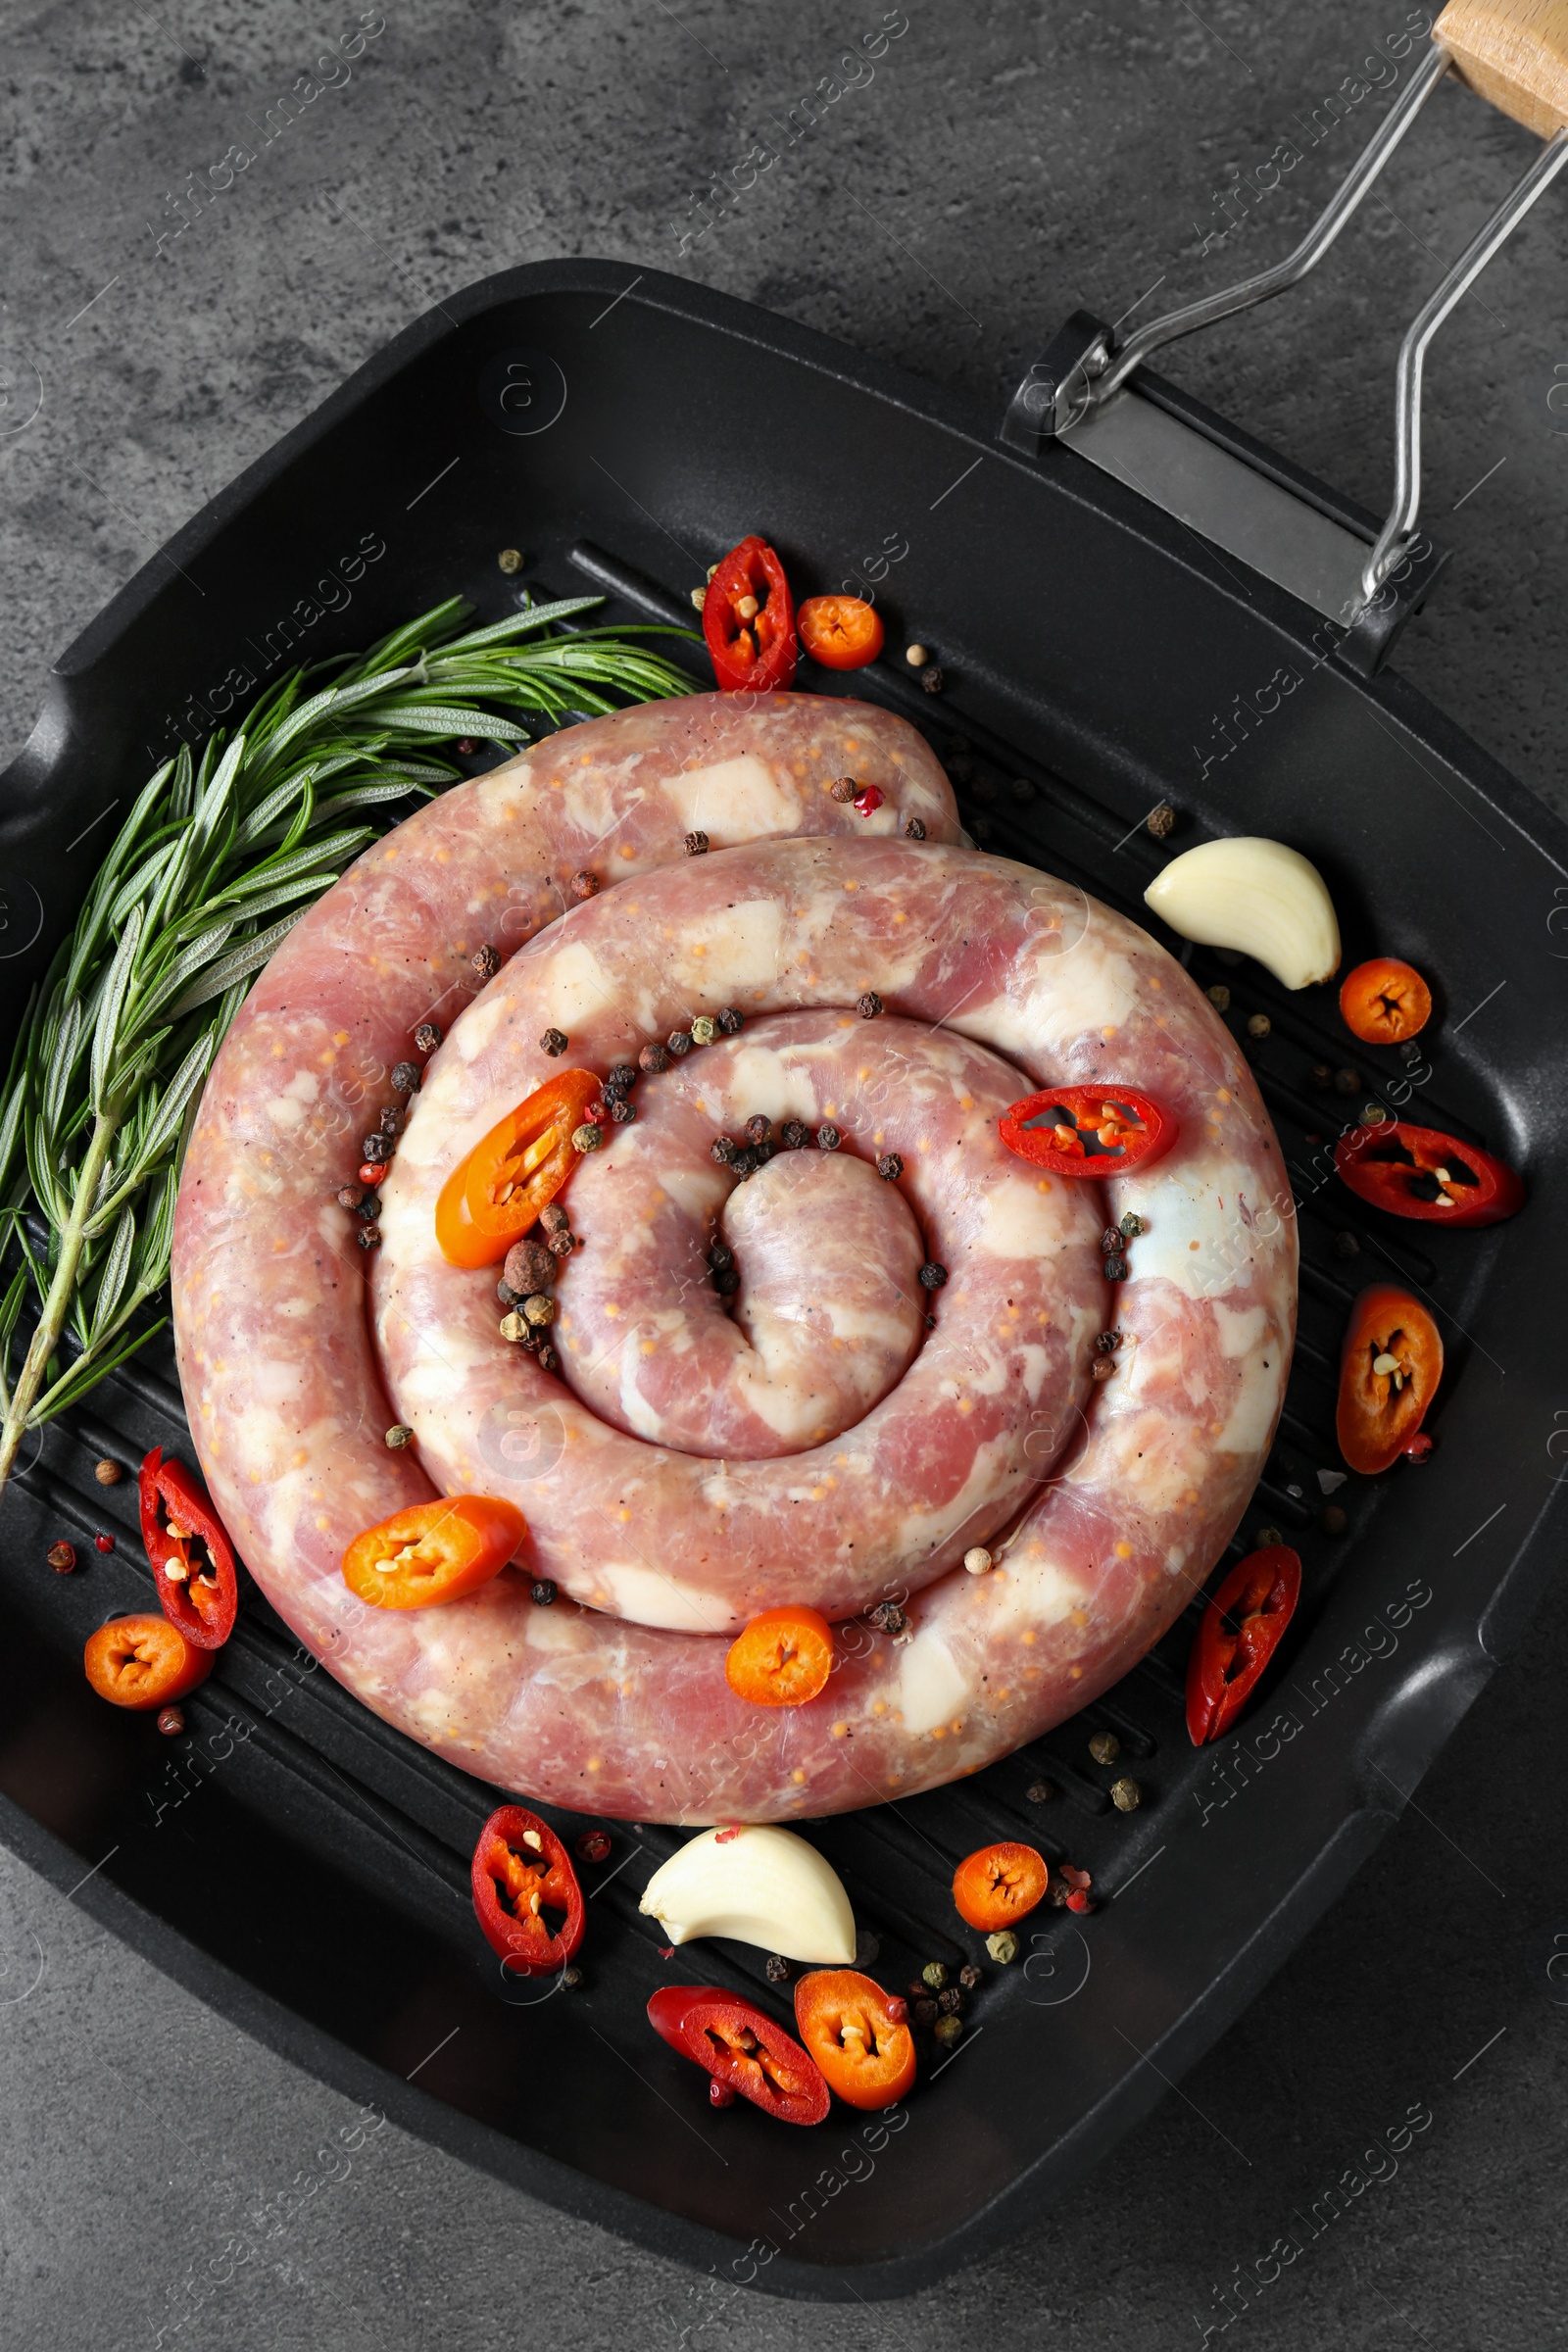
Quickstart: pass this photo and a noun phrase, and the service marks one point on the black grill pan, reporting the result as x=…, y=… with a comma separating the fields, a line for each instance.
x=302, y=1868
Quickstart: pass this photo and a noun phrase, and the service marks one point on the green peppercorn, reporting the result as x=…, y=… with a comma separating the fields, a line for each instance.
x=510, y=559
x=948, y=2029
x=1002, y=1946
x=587, y=1138
x=1268, y=1537
x=1125, y=1795
x=934, y=1974
x=778, y=1969
x=1219, y=996
x=399, y=1436
x=1104, y=1747
x=702, y=1030
x=1132, y=1225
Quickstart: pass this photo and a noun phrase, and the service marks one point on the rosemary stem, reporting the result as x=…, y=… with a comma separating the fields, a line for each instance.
x=56, y=1304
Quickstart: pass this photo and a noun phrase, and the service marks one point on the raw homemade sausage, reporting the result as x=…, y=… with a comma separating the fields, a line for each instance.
x=280, y=1369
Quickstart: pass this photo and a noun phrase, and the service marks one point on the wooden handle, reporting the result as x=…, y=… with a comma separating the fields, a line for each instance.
x=1513, y=53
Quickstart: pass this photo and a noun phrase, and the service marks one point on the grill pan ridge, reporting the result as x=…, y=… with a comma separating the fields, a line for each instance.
x=301, y=1867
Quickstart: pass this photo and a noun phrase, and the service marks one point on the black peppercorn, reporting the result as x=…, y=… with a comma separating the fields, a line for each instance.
x=428, y=1036
x=828, y=1139
x=1320, y=1076
x=887, y=1617
x=1039, y=1793
x=758, y=1129
x=391, y=1120
x=843, y=788
x=890, y=1167
x=678, y=1043
x=406, y=1077
x=924, y=2010
x=746, y=1163
x=553, y=1042
x=1333, y=1519
x=1346, y=1244
x=1347, y=1082
x=869, y=1006
x=696, y=845
x=549, y=1360
x=368, y=1237
x=552, y=1218
x=583, y=886
x=931, y=678
x=725, y=1149
x=1409, y=1051
x=1104, y=1367
x=562, y=1244
x=726, y=1282
x=654, y=1059
x=623, y=1077
x=349, y=1196
x=1110, y=1241
x=1107, y=1343
x=721, y=1256
x=915, y=830
x=778, y=1969
x=1115, y=1269
x=486, y=963
x=571, y=1975
x=544, y=1591
x=729, y=1022
x=1022, y=789
x=792, y=1135
x=950, y=2003
x=968, y=1975
x=1161, y=822
x=932, y=1277
x=620, y=1110
x=376, y=1149
x=371, y=1205
x=507, y=1296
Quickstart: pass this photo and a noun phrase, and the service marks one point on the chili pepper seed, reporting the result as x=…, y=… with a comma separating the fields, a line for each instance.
x=1039, y=1793
x=1125, y=1795
x=61, y=1558
x=583, y=886
x=1104, y=1747
x=915, y=830
x=543, y=1591
x=1161, y=822
x=702, y=1030
x=932, y=1277
x=108, y=1473
x=778, y=1969
x=696, y=845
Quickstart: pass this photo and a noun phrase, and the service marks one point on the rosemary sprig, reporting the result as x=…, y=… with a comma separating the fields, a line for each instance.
x=217, y=860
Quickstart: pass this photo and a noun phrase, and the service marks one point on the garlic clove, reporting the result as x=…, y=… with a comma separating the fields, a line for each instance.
x=1257, y=895
x=760, y=1885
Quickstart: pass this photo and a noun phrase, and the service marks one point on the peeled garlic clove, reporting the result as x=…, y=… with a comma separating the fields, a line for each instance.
x=760, y=1885
x=1257, y=895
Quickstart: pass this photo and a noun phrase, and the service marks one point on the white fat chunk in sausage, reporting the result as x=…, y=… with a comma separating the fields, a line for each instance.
x=734, y=800
x=653, y=1599
x=1252, y=1417
x=741, y=943
x=1206, y=1249
x=932, y=1687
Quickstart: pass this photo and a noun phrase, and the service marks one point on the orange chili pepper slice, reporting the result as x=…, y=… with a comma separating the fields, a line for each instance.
x=859, y=2037
x=1380, y=1410
x=143, y=1661
x=999, y=1885
x=782, y=1659
x=495, y=1195
x=433, y=1552
x=1384, y=1001
x=841, y=632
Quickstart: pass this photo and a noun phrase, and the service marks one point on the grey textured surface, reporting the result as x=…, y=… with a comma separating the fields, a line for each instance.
x=1000, y=166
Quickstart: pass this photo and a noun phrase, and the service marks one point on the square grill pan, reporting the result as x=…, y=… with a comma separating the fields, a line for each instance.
x=304, y=1869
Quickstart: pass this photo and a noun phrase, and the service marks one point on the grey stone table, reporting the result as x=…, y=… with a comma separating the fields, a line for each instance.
x=998, y=165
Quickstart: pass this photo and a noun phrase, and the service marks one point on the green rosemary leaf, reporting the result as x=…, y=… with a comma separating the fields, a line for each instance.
x=242, y=960
x=106, y=1024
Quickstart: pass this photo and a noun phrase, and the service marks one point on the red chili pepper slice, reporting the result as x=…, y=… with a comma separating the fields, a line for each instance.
x=1241, y=1630
x=1381, y=1409
x=522, y=1875
x=1421, y=1172
x=743, y=2049
x=192, y=1559
x=1087, y=1129
x=749, y=621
